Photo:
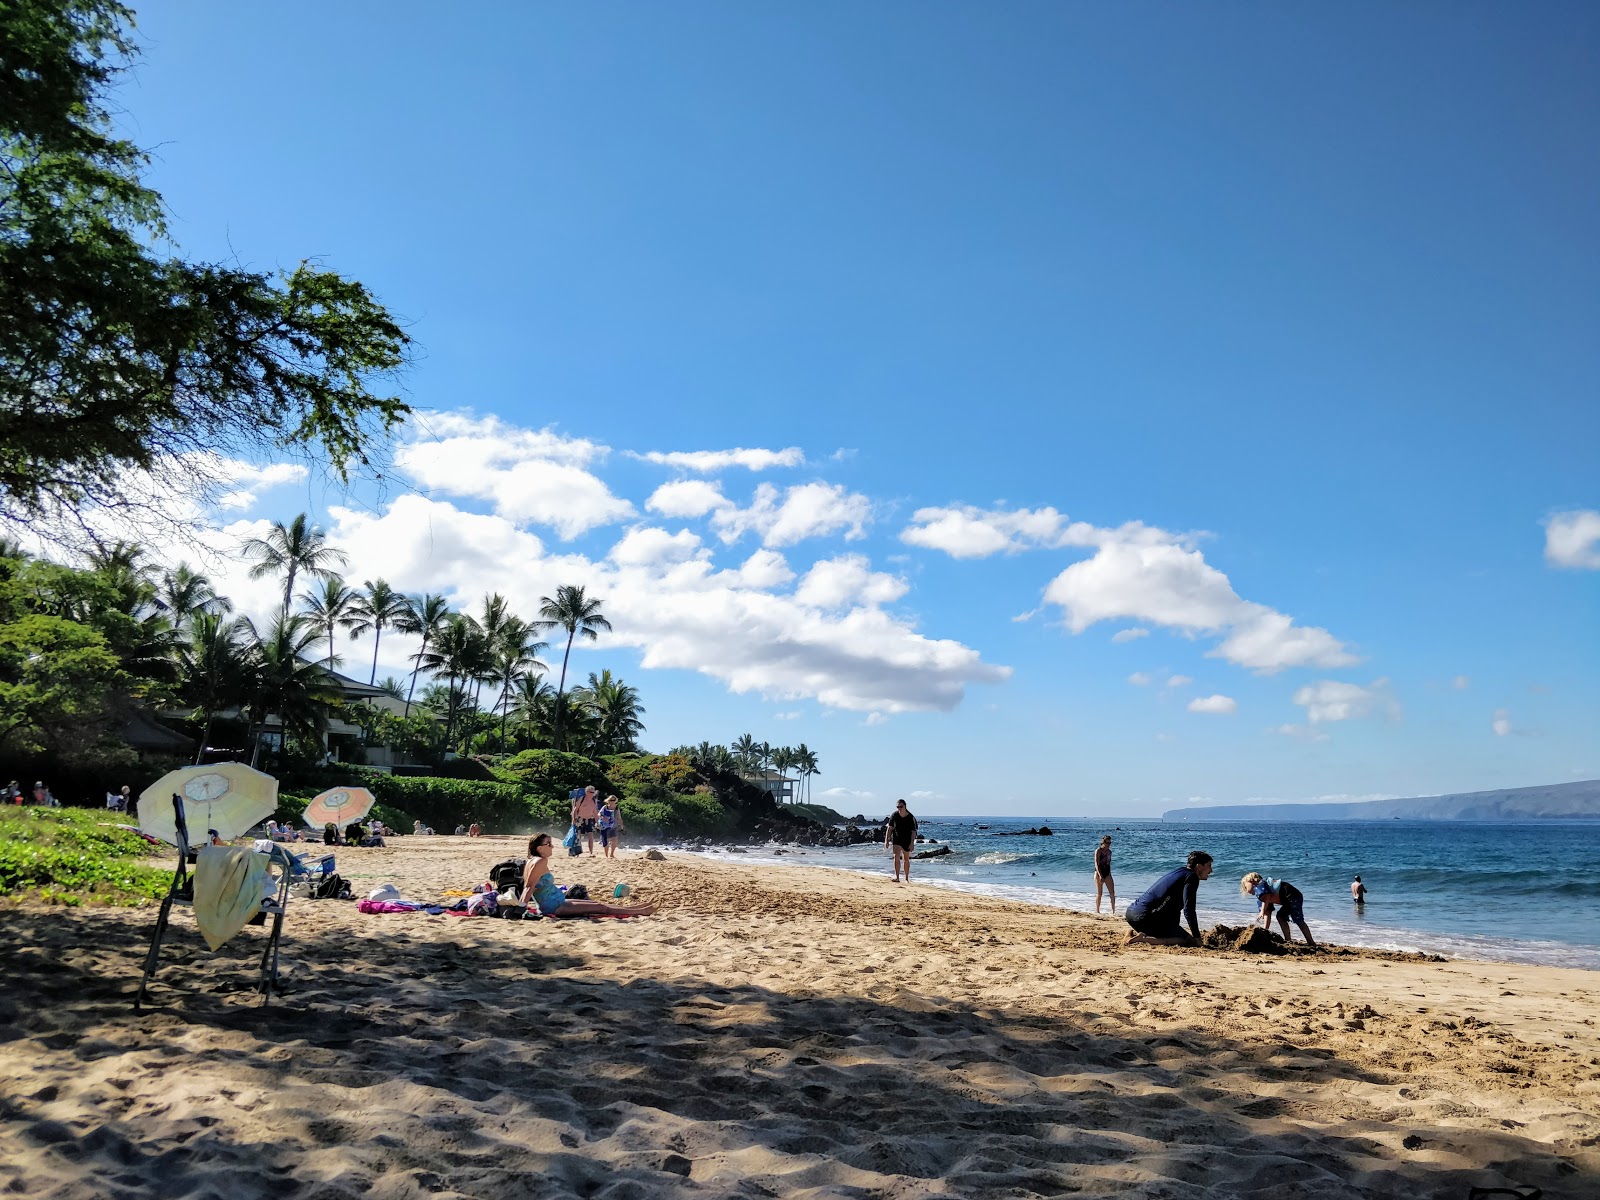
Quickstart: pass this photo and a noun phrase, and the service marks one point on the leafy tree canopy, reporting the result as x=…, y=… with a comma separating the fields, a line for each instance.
x=115, y=355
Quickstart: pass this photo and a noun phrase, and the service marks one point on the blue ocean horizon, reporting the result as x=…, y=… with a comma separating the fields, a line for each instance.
x=1505, y=892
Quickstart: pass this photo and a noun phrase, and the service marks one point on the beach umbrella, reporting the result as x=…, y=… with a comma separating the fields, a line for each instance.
x=340, y=805
x=228, y=797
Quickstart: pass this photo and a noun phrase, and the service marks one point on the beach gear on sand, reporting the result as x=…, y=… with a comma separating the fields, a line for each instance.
x=386, y=892
x=229, y=884
x=622, y=891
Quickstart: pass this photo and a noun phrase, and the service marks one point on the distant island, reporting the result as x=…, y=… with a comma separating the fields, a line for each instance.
x=1552, y=802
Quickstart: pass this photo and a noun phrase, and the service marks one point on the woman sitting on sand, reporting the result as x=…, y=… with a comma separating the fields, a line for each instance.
x=539, y=889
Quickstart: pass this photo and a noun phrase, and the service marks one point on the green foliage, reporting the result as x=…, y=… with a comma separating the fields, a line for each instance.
x=115, y=356
x=54, y=674
x=445, y=803
x=69, y=855
x=552, y=773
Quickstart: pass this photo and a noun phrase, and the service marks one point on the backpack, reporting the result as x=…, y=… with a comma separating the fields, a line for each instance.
x=508, y=874
x=332, y=887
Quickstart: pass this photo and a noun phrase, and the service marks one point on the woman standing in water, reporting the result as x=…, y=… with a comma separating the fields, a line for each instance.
x=1102, y=874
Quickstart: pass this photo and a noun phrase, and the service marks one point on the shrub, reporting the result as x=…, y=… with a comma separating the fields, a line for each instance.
x=67, y=856
x=552, y=773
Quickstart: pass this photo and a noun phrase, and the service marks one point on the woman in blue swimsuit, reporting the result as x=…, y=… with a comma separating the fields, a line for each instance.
x=539, y=889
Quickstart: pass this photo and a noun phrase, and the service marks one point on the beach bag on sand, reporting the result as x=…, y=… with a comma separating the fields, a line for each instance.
x=332, y=887
x=577, y=892
x=571, y=841
x=508, y=874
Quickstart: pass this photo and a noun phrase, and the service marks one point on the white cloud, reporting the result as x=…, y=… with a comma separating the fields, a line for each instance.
x=527, y=476
x=1213, y=704
x=1127, y=635
x=247, y=479
x=876, y=718
x=1334, y=700
x=642, y=547
x=687, y=498
x=805, y=511
x=1572, y=540
x=1139, y=679
x=708, y=461
x=1178, y=681
x=765, y=570
x=1502, y=722
x=844, y=793
x=1461, y=683
x=1142, y=573
x=971, y=532
x=787, y=716
x=847, y=580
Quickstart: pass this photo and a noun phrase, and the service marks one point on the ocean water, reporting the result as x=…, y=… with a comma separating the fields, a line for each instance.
x=1508, y=893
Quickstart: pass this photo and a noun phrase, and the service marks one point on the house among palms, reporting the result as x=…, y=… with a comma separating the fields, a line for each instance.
x=774, y=783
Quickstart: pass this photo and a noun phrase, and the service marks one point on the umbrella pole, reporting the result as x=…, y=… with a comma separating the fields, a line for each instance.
x=269, y=978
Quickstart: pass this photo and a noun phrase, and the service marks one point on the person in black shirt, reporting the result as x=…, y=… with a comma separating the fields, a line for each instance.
x=900, y=834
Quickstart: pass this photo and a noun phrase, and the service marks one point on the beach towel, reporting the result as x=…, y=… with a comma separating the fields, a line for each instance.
x=229, y=883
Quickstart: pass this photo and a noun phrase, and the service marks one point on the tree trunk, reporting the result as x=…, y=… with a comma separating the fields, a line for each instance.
x=561, y=691
x=411, y=691
x=204, y=738
x=377, y=637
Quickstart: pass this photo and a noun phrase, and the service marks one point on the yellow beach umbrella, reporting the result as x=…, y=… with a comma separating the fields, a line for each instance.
x=340, y=805
x=227, y=797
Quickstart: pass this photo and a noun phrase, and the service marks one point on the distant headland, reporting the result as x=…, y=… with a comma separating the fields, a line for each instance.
x=1552, y=802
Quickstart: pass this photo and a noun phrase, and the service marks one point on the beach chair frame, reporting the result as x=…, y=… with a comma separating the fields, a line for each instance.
x=181, y=891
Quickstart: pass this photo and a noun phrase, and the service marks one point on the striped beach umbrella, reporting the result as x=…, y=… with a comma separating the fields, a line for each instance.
x=340, y=806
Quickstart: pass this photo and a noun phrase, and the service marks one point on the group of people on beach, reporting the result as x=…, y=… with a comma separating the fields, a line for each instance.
x=590, y=815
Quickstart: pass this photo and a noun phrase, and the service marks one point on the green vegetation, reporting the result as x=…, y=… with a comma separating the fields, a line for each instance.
x=116, y=356
x=68, y=856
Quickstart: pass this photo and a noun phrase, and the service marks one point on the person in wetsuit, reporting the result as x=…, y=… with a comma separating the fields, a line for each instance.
x=900, y=834
x=1153, y=917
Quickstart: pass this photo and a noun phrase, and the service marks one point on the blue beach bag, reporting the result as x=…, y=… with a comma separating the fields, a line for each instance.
x=571, y=840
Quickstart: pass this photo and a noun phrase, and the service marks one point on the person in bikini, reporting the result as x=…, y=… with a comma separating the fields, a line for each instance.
x=1102, y=874
x=539, y=889
x=900, y=834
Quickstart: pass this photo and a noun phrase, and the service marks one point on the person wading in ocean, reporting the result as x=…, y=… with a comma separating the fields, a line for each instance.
x=1102, y=874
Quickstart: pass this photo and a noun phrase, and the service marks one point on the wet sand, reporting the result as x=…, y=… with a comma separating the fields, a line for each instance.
x=772, y=1032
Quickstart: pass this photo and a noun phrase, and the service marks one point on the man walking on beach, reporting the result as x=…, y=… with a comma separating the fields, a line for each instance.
x=900, y=834
x=1153, y=917
x=585, y=812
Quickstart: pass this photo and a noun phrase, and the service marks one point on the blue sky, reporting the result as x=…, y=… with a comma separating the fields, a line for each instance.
x=1301, y=301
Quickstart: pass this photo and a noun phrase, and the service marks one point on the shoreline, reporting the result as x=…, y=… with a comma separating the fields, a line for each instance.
x=1428, y=942
x=773, y=1033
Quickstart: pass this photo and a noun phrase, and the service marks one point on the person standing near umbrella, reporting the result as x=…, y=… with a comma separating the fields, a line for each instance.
x=585, y=813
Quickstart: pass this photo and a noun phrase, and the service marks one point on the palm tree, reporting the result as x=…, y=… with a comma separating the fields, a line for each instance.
x=380, y=607
x=516, y=654
x=806, y=760
x=217, y=663
x=745, y=751
x=287, y=684
x=183, y=593
x=783, y=759
x=531, y=703
x=578, y=615
x=334, y=606
x=390, y=686
x=290, y=550
x=456, y=653
x=617, y=708
x=423, y=615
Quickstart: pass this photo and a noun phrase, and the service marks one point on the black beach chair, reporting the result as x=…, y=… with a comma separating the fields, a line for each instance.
x=275, y=904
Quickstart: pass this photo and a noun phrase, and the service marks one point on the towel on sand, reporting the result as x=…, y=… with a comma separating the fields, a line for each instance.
x=229, y=883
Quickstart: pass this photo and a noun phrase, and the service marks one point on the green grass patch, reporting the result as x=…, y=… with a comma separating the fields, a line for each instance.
x=75, y=856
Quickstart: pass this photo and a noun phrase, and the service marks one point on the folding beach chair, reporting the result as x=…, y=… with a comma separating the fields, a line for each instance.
x=280, y=867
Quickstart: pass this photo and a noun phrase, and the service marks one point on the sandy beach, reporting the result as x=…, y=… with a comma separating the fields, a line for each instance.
x=772, y=1032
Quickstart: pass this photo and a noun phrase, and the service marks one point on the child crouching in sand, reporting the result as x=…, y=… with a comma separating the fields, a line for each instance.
x=1282, y=894
x=539, y=889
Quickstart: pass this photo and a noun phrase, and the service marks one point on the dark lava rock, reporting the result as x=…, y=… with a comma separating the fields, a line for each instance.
x=940, y=852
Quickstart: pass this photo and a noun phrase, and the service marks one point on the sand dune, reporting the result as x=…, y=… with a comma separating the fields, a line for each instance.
x=775, y=1032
